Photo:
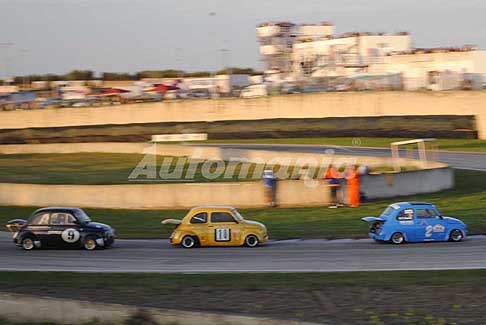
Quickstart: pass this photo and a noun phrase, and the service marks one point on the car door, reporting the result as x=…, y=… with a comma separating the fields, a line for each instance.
x=224, y=229
x=64, y=231
x=434, y=226
x=407, y=225
x=39, y=226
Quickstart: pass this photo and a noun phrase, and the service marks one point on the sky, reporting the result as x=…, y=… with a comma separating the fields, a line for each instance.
x=57, y=36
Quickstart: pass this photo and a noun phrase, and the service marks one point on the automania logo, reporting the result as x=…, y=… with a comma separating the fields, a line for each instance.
x=200, y=167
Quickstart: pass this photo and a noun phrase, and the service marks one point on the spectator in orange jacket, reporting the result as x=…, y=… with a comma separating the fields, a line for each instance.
x=352, y=177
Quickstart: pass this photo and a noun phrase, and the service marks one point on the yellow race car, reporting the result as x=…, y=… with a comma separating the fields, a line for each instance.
x=216, y=226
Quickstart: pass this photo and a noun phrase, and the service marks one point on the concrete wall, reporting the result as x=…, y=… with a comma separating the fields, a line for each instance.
x=407, y=183
x=290, y=106
x=162, y=196
x=291, y=193
x=23, y=308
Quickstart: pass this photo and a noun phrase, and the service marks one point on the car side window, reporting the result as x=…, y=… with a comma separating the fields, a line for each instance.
x=426, y=213
x=62, y=218
x=222, y=217
x=199, y=218
x=406, y=214
x=40, y=219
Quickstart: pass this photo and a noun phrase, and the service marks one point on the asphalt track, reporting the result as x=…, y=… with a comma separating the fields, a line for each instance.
x=460, y=160
x=278, y=256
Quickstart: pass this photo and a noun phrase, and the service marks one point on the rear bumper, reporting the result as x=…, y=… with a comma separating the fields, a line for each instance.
x=375, y=236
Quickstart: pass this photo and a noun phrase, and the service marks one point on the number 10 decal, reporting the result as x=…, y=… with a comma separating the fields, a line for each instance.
x=222, y=234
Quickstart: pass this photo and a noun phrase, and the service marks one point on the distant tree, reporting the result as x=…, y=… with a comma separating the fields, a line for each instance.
x=50, y=77
x=170, y=73
x=79, y=75
x=236, y=70
x=118, y=76
x=110, y=76
x=198, y=74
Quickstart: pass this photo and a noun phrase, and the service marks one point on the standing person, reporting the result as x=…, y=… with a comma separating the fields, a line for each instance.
x=332, y=177
x=352, y=177
x=270, y=183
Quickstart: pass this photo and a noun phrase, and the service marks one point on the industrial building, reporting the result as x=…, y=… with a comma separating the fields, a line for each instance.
x=388, y=61
x=277, y=41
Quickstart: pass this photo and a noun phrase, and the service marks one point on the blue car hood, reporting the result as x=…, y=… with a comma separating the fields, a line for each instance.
x=452, y=220
x=373, y=219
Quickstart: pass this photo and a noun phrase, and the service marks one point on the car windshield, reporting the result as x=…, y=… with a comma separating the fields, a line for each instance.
x=82, y=216
x=238, y=215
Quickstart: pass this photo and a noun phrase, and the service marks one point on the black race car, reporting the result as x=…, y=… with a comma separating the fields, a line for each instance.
x=60, y=227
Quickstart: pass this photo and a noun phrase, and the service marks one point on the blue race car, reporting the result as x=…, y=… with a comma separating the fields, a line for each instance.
x=415, y=222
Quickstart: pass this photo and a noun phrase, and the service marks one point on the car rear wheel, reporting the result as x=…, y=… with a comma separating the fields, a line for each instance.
x=456, y=235
x=28, y=244
x=189, y=242
x=251, y=241
x=90, y=244
x=397, y=238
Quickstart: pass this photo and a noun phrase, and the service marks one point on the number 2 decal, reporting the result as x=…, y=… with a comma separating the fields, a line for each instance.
x=428, y=231
x=222, y=234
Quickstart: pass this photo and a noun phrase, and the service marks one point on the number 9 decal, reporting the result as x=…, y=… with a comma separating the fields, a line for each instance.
x=70, y=235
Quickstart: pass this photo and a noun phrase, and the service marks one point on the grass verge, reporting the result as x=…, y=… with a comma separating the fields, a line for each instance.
x=471, y=145
x=467, y=201
x=418, y=297
x=110, y=168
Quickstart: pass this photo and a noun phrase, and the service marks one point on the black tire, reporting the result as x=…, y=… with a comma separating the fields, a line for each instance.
x=251, y=241
x=27, y=243
x=189, y=242
x=89, y=243
x=456, y=235
x=397, y=238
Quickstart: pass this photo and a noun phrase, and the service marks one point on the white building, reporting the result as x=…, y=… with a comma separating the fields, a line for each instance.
x=346, y=55
x=437, y=69
x=303, y=52
x=277, y=41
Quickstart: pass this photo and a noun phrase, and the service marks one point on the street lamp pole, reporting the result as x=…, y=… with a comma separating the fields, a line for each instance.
x=6, y=45
x=24, y=53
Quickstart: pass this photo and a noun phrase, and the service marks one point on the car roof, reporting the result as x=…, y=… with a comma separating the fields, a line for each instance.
x=411, y=204
x=54, y=209
x=222, y=207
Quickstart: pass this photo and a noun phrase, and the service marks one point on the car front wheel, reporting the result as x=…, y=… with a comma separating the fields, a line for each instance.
x=251, y=241
x=90, y=244
x=397, y=238
x=456, y=235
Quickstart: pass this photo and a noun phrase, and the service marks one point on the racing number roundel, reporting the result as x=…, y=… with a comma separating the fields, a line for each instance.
x=70, y=235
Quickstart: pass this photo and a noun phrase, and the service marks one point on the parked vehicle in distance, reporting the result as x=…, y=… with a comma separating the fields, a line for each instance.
x=254, y=91
x=216, y=226
x=60, y=227
x=415, y=222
